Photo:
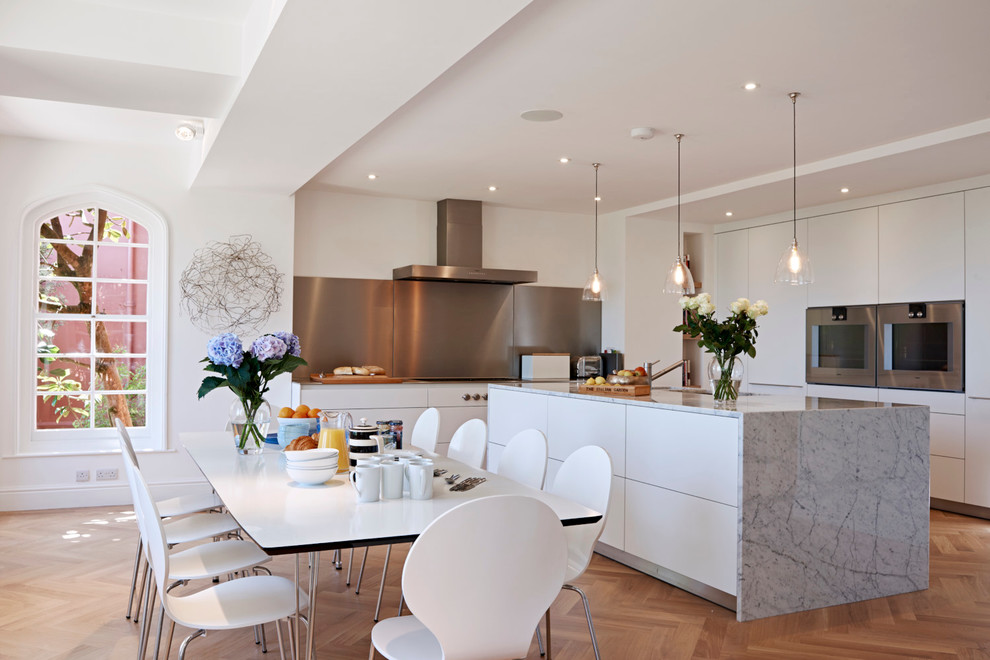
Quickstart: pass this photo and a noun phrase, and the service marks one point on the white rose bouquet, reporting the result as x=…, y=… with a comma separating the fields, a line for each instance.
x=723, y=339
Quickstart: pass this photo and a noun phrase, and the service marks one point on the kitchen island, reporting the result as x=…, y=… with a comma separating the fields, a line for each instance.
x=782, y=505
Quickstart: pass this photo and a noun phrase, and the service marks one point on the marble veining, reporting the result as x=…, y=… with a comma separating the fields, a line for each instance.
x=834, y=508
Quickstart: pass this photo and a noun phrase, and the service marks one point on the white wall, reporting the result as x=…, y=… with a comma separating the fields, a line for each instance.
x=347, y=235
x=650, y=314
x=33, y=170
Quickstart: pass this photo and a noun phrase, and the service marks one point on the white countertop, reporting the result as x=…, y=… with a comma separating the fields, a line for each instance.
x=702, y=403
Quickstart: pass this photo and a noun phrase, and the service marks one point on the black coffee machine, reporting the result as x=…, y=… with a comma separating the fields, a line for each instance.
x=612, y=362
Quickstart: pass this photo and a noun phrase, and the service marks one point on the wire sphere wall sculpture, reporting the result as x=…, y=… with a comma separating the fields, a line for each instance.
x=231, y=287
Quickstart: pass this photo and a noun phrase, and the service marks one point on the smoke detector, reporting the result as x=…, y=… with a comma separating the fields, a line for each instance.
x=643, y=133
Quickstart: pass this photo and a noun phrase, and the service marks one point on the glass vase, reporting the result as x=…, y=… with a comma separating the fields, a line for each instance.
x=249, y=423
x=725, y=374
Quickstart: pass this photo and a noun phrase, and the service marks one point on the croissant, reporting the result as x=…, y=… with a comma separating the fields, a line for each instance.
x=301, y=443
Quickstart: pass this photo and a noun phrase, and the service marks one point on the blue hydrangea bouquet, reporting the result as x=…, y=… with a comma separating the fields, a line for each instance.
x=247, y=374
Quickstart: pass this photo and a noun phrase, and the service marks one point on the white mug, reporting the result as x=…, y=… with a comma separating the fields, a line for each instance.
x=392, y=476
x=367, y=481
x=421, y=480
x=368, y=460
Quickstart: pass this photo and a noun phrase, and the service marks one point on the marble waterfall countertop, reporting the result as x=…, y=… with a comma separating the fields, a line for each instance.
x=830, y=496
x=700, y=401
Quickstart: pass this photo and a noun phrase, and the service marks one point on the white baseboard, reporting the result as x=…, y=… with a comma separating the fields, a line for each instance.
x=117, y=494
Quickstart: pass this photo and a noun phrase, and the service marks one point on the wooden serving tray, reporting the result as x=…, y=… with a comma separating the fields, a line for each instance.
x=616, y=390
x=354, y=380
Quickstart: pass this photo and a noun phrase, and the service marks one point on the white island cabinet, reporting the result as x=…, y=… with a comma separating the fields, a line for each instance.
x=783, y=505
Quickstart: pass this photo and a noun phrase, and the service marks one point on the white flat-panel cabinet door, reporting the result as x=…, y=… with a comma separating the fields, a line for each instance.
x=977, y=292
x=978, y=452
x=948, y=478
x=510, y=412
x=731, y=282
x=843, y=249
x=576, y=423
x=780, y=345
x=689, y=535
x=922, y=250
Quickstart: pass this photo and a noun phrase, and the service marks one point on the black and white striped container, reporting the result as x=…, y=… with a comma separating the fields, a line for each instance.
x=362, y=439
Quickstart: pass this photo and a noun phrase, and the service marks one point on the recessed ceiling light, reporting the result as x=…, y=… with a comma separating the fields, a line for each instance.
x=844, y=190
x=728, y=213
x=188, y=130
x=372, y=176
x=565, y=159
x=542, y=115
x=492, y=188
x=598, y=199
x=750, y=86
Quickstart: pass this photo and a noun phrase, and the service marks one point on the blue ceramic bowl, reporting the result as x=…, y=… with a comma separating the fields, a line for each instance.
x=290, y=429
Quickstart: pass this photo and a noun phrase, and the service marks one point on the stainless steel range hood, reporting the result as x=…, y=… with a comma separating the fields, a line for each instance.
x=459, y=239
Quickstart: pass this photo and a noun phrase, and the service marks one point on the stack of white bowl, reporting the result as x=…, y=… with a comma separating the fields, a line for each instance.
x=311, y=467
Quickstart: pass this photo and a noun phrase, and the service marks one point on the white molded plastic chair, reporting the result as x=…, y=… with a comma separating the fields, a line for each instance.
x=585, y=478
x=183, y=530
x=242, y=603
x=469, y=442
x=426, y=430
x=502, y=607
x=524, y=458
x=203, y=561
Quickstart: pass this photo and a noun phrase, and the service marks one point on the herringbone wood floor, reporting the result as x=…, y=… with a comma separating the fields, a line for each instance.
x=64, y=578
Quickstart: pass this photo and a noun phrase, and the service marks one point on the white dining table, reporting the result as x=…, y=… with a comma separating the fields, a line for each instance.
x=284, y=517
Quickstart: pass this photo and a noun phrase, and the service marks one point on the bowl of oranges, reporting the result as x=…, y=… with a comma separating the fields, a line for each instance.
x=301, y=413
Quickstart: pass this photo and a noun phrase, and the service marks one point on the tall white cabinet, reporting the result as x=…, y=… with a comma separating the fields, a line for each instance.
x=977, y=347
x=922, y=250
x=843, y=250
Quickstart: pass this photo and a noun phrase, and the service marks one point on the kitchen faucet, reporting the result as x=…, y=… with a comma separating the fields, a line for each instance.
x=650, y=376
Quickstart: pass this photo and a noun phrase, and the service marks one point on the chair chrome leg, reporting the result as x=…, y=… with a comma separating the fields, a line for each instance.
x=278, y=634
x=587, y=613
x=381, y=587
x=143, y=638
x=137, y=566
x=337, y=563
x=549, y=654
x=158, y=635
x=171, y=634
x=141, y=585
x=539, y=641
x=357, y=589
x=350, y=563
x=185, y=642
x=402, y=600
x=264, y=642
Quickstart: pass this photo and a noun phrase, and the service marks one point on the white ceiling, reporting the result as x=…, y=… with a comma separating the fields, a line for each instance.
x=427, y=95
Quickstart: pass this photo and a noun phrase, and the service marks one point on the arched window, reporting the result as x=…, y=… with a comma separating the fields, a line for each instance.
x=95, y=342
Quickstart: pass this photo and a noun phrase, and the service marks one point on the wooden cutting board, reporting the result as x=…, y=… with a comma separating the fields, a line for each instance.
x=354, y=380
x=616, y=390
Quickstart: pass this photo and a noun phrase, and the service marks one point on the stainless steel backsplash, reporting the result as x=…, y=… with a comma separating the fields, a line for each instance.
x=438, y=329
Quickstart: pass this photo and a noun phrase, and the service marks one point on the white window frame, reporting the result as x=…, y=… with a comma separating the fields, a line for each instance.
x=154, y=435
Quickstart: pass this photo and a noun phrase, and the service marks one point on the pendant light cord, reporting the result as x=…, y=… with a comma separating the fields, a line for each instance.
x=679, y=136
x=794, y=96
x=596, y=216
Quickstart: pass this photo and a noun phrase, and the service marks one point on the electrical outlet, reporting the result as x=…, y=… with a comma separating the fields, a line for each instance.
x=107, y=474
x=82, y=475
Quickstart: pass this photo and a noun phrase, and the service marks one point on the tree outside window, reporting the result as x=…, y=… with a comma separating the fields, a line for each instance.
x=92, y=321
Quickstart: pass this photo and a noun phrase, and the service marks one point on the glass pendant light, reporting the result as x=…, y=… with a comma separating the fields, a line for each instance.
x=794, y=266
x=594, y=289
x=679, y=279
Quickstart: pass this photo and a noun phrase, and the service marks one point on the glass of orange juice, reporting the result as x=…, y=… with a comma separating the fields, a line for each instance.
x=333, y=425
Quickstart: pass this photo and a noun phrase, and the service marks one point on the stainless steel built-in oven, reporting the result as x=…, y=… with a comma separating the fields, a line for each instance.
x=921, y=346
x=842, y=345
